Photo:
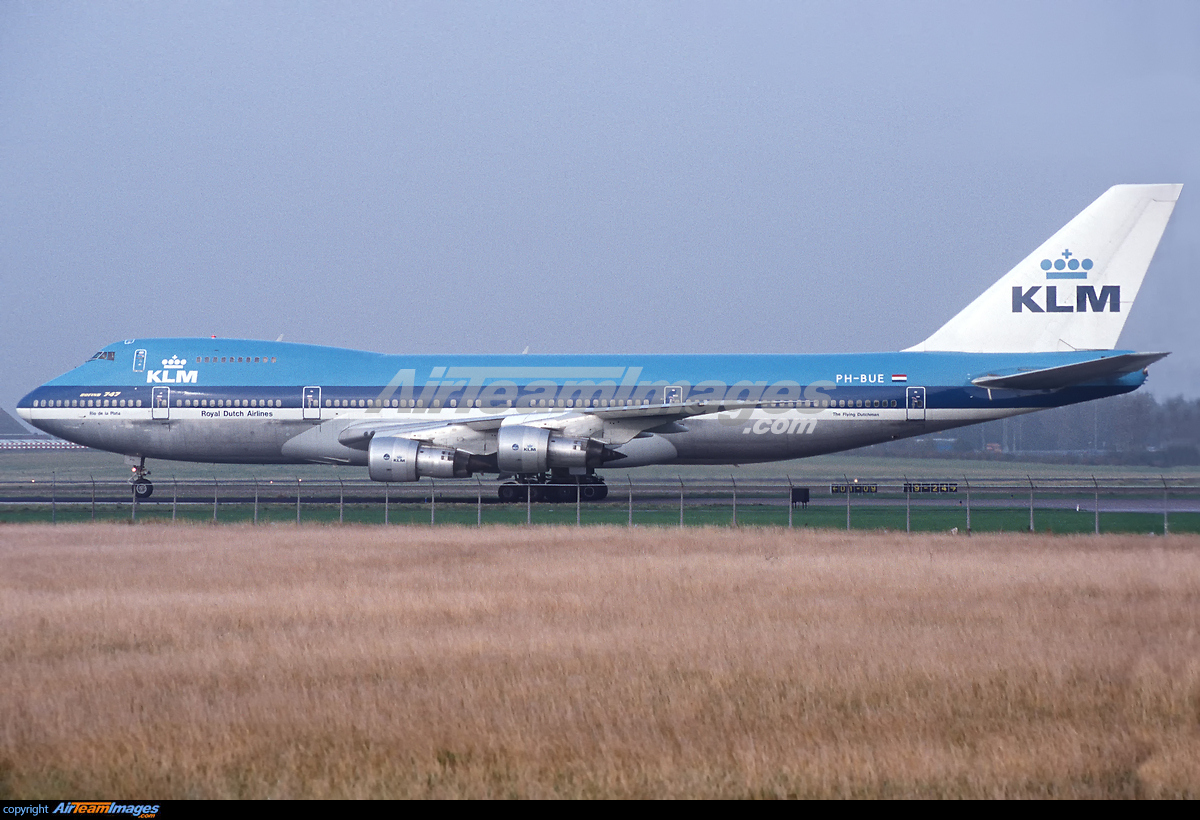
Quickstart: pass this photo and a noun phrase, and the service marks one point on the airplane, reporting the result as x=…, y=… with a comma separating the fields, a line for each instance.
x=1042, y=336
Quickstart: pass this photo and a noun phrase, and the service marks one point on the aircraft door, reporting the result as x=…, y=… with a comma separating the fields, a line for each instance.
x=915, y=402
x=311, y=403
x=673, y=395
x=160, y=403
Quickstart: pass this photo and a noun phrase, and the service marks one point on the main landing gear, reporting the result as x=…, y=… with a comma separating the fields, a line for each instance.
x=553, y=489
x=143, y=488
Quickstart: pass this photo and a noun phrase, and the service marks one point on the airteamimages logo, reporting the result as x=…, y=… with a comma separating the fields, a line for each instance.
x=1068, y=267
x=106, y=807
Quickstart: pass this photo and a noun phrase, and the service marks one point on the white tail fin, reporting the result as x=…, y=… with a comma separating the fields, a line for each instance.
x=1075, y=291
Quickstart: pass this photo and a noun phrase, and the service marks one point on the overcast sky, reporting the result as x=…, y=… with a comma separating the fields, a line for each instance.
x=573, y=177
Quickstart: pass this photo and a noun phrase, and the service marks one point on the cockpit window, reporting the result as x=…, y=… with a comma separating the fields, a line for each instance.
x=106, y=355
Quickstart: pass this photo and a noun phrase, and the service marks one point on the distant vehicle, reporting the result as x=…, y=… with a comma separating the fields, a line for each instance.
x=1042, y=336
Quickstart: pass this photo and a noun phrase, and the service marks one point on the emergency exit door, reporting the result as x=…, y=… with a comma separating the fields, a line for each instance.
x=311, y=403
x=915, y=402
x=160, y=403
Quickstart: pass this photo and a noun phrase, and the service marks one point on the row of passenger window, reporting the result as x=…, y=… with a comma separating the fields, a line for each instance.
x=593, y=403
x=417, y=403
x=88, y=403
x=234, y=359
x=228, y=403
x=864, y=403
x=477, y=403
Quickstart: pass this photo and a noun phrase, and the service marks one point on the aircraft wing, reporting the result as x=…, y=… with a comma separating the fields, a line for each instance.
x=613, y=426
x=1054, y=378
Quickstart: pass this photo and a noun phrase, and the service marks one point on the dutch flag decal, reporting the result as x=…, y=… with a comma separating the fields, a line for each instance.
x=899, y=377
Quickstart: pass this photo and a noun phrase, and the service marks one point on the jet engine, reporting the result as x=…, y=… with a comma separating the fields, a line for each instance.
x=392, y=458
x=523, y=449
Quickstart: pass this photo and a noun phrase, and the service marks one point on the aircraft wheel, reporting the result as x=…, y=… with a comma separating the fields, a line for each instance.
x=143, y=488
x=591, y=492
x=603, y=492
x=509, y=493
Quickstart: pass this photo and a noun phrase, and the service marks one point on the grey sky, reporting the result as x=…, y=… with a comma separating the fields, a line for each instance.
x=611, y=177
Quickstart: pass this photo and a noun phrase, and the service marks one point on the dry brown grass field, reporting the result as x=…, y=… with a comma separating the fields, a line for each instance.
x=202, y=662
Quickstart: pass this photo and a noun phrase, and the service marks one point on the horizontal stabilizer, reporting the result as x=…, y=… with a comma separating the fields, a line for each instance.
x=1053, y=378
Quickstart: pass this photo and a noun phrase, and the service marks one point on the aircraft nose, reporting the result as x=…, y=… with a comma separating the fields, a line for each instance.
x=24, y=407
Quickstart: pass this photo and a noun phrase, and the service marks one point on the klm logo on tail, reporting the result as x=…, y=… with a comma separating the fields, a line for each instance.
x=1086, y=298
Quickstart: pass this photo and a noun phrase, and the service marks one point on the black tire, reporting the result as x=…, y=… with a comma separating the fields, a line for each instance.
x=591, y=492
x=509, y=493
x=603, y=488
x=143, y=489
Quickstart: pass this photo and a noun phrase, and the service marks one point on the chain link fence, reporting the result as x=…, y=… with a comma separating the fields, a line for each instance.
x=1072, y=504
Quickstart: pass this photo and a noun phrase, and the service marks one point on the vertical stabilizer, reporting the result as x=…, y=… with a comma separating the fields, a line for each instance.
x=1075, y=291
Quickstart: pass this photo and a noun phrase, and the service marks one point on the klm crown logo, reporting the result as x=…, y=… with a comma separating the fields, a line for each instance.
x=1086, y=300
x=1068, y=267
x=172, y=373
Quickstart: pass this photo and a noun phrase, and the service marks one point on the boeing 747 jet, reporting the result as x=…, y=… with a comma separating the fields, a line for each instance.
x=1042, y=336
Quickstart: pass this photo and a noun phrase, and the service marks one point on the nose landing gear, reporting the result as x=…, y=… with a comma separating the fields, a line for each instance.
x=142, y=487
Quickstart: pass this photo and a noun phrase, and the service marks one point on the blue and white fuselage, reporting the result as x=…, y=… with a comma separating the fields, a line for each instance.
x=1041, y=337
x=262, y=402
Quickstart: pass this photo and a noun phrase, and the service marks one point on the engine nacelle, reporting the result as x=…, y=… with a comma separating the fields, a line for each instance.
x=392, y=458
x=523, y=449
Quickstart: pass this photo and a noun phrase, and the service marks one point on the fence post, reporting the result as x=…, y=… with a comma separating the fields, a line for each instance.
x=907, y=505
x=791, y=487
x=1030, y=479
x=53, y=497
x=847, y=501
x=133, y=504
x=479, y=504
x=387, y=503
x=174, y=498
x=578, y=494
x=297, y=500
x=432, y=502
x=341, y=501
x=1096, y=508
x=967, y=481
x=214, y=499
x=630, y=523
x=733, y=481
x=528, y=505
x=256, y=501
x=1166, y=527
x=93, y=496
x=680, y=501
